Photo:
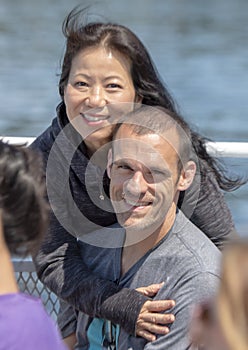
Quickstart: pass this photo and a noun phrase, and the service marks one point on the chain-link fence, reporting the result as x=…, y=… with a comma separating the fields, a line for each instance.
x=29, y=283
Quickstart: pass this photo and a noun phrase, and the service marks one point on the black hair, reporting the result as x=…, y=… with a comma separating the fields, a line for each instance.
x=22, y=203
x=146, y=119
x=147, y=82
x=116, y=37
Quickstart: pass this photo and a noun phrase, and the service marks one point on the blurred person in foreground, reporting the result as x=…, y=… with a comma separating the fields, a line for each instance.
x=24, y=324
x=222, y=323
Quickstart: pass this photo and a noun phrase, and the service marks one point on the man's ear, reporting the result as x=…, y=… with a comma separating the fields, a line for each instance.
x=110, y=161
x=187, y=176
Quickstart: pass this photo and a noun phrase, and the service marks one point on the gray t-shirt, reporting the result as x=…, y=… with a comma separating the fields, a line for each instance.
x=185, y=258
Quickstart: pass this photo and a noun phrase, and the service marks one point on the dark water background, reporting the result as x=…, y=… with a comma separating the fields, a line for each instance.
x=200, y=49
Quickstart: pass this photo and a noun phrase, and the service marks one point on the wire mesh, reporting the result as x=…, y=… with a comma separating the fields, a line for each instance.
x=29, y=283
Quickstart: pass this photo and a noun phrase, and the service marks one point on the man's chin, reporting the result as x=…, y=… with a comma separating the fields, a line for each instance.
x=136, y=233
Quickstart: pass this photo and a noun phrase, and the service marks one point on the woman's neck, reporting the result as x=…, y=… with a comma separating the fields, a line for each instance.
x=98, y=152
x=94, y=145
x=7, y=275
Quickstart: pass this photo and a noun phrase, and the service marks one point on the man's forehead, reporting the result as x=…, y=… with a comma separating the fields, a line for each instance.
x=138, y=150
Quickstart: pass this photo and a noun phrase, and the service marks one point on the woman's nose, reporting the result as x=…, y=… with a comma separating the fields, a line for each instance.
x=96, y=98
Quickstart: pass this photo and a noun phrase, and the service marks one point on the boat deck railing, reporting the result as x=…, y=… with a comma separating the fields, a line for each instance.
x=218, y=149
x=28, y=282
x=25, y=270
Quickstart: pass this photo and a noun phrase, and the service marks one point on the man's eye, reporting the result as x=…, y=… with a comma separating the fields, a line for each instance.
x=123, y=167
x=158, y=173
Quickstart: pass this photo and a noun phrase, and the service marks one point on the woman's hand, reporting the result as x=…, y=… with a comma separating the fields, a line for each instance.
x=151, y=320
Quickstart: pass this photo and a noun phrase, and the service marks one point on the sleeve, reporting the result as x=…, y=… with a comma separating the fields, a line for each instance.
x=59, y=266
x=67, y=319
x=205, y=205
x=188, y=293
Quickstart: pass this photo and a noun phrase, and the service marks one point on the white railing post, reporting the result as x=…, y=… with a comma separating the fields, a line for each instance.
x=228, y=149
x=218, y=149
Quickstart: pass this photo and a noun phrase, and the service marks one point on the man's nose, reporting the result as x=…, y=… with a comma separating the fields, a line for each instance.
x=137, y=185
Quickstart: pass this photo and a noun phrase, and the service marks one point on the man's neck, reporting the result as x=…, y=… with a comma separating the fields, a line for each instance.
x=131, y=253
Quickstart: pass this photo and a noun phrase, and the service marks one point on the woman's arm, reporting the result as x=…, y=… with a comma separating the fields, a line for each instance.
x=59, y=265
x=205, y=205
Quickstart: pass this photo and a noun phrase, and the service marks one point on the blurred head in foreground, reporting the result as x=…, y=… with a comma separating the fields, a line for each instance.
x=23, y=209
x=222, y=324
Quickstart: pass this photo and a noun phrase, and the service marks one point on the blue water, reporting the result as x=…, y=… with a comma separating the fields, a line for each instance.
x=200, y=49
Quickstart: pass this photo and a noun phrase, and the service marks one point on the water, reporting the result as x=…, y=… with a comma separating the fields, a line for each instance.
x=200, y=49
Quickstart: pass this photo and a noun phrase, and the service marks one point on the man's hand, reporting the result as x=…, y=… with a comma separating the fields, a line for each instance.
x=151, y=320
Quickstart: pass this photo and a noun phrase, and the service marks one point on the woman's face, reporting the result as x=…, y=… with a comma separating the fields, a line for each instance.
x=98, y=78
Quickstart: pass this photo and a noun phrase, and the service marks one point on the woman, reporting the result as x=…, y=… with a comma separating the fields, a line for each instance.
x=222, y=323
x=106, y=64
x=24, y=324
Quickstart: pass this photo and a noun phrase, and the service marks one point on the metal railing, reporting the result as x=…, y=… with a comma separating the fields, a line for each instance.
x=218, y=149
x=25, y=270
x=28, y=282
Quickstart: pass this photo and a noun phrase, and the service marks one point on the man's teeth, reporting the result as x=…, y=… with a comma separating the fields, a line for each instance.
x=137, y=204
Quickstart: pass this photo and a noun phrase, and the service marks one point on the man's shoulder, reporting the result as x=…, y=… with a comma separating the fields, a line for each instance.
x=192, y=244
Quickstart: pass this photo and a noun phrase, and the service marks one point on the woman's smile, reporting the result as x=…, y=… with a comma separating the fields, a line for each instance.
x=98, y=79
x=94, y=119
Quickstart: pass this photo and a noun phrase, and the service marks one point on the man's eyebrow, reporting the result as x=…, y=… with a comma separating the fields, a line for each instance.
x=121, y=161
x=161, y=170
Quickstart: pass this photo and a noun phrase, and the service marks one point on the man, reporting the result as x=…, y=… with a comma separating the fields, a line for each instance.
x=148, y=167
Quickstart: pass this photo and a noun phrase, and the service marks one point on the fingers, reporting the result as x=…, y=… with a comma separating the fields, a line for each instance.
x=146, y=335
x=150, y=290
x=154, y=325
x=155, y=319
x=157, y=305
x=152, y=321
x=153, y=329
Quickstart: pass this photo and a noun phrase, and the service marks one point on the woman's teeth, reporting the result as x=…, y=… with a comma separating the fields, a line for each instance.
x=91, y=118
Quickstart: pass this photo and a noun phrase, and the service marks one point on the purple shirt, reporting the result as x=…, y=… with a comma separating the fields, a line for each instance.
x=24, y=324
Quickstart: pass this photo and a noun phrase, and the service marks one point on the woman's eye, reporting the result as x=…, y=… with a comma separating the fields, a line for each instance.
x=81, y=84
x=114, y=86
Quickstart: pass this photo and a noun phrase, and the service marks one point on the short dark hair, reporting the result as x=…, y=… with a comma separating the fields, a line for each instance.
x=146, y=120
x=22, y=203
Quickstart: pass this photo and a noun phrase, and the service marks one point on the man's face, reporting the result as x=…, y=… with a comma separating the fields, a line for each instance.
x=144, y=177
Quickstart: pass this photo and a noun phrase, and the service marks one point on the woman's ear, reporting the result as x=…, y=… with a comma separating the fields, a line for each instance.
x=187, y=176
x=138, y=99
x=109, y=164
